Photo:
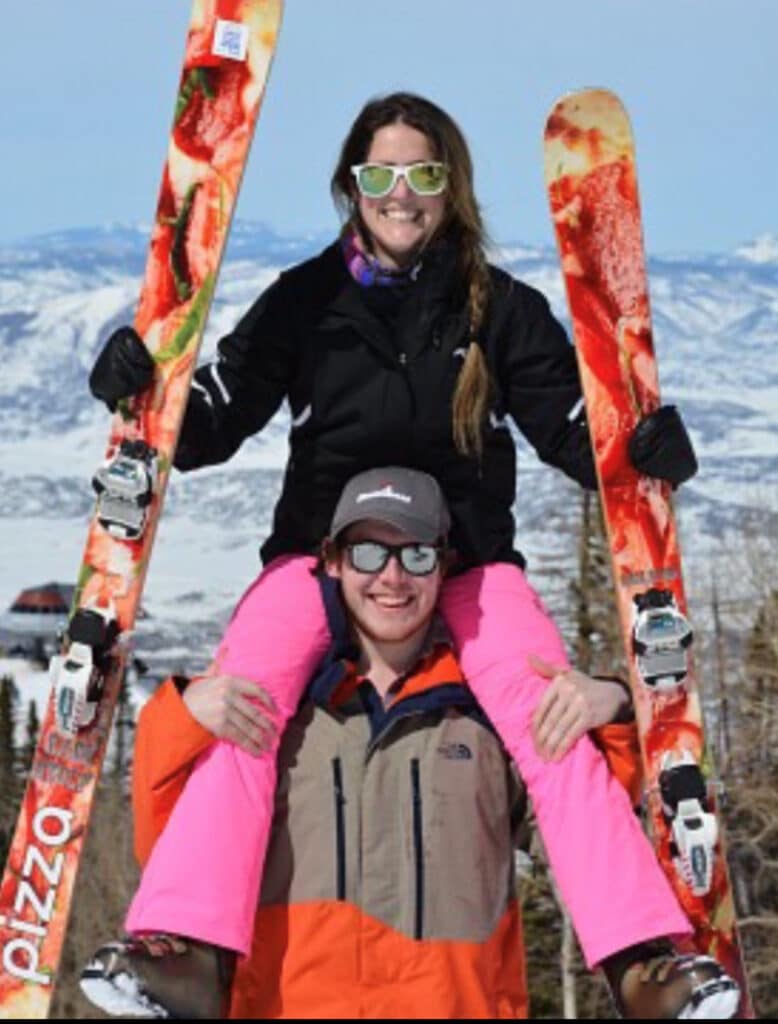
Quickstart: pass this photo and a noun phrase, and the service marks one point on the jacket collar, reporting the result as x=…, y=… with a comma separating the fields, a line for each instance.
x=438, y=290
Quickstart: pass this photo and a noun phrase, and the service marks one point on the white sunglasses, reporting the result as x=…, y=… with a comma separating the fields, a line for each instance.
x=425, y=178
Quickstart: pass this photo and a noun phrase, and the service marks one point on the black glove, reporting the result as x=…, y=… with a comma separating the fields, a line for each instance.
x=123, y=368
x=661, y=447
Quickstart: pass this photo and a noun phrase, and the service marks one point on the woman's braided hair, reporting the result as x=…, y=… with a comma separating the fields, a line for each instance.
x=462, y=223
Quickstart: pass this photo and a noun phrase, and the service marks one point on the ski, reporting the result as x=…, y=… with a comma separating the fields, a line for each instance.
x=590, y=173
x=229, y=49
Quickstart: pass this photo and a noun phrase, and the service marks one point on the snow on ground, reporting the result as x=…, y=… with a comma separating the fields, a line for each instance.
x=214, y=574
x=763, y=249
x=33, y=684
x=716, y=321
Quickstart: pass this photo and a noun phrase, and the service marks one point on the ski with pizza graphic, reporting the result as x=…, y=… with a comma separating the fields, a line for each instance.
x=229, y=49
x=592, y=183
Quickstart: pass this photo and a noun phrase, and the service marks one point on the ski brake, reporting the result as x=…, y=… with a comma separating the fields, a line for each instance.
x=77, y=675
x=694, y=829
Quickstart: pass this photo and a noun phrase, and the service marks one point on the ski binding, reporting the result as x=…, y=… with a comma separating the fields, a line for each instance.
x=694, y=829
x=77, y=675
x=661, y=637
x=125, y=485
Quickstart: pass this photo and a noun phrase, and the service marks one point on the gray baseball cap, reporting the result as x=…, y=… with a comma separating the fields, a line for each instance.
x=406, y=498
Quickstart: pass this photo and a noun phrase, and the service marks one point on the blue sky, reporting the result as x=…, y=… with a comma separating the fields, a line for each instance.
x=88, y=95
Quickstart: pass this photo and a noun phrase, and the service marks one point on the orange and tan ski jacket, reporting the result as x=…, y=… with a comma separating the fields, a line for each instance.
x=388, y=888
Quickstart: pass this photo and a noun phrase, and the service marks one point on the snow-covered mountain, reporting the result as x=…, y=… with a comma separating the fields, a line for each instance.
x=716, y=327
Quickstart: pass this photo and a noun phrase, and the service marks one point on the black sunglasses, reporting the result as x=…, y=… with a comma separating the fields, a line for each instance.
x=370, y=556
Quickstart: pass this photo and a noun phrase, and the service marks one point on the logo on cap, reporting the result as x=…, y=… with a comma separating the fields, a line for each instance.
x=386, y=492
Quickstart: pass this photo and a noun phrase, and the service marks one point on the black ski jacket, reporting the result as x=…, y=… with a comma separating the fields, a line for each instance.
x=370, y=374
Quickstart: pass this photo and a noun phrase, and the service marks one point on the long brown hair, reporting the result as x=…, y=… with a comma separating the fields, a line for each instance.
x=462, y=222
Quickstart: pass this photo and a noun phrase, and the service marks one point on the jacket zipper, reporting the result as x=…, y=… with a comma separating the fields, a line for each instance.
x=340, y=829
x=418, y=850
x=395, y=716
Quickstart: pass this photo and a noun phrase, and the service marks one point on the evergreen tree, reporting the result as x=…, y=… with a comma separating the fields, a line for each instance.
x=9, y=698
x=9, y=789
x=31, y=730
x=123, y=728
x=762, y=668
x=750, y=798
x=597, y=643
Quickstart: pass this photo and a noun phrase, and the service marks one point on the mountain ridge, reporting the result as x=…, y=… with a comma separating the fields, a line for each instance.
x=716, y=332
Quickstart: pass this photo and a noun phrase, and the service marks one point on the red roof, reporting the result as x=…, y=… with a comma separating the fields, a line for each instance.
x=49, y=598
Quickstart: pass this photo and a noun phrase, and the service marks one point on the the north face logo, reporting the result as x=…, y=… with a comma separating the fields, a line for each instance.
x=455, y=751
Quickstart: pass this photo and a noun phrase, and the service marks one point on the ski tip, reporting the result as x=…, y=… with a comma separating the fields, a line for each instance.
x=590, y=98
x=585, y=128
x=589, y=108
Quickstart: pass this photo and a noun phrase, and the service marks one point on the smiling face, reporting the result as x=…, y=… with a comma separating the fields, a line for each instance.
x=402, y=223
x=389, y=606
